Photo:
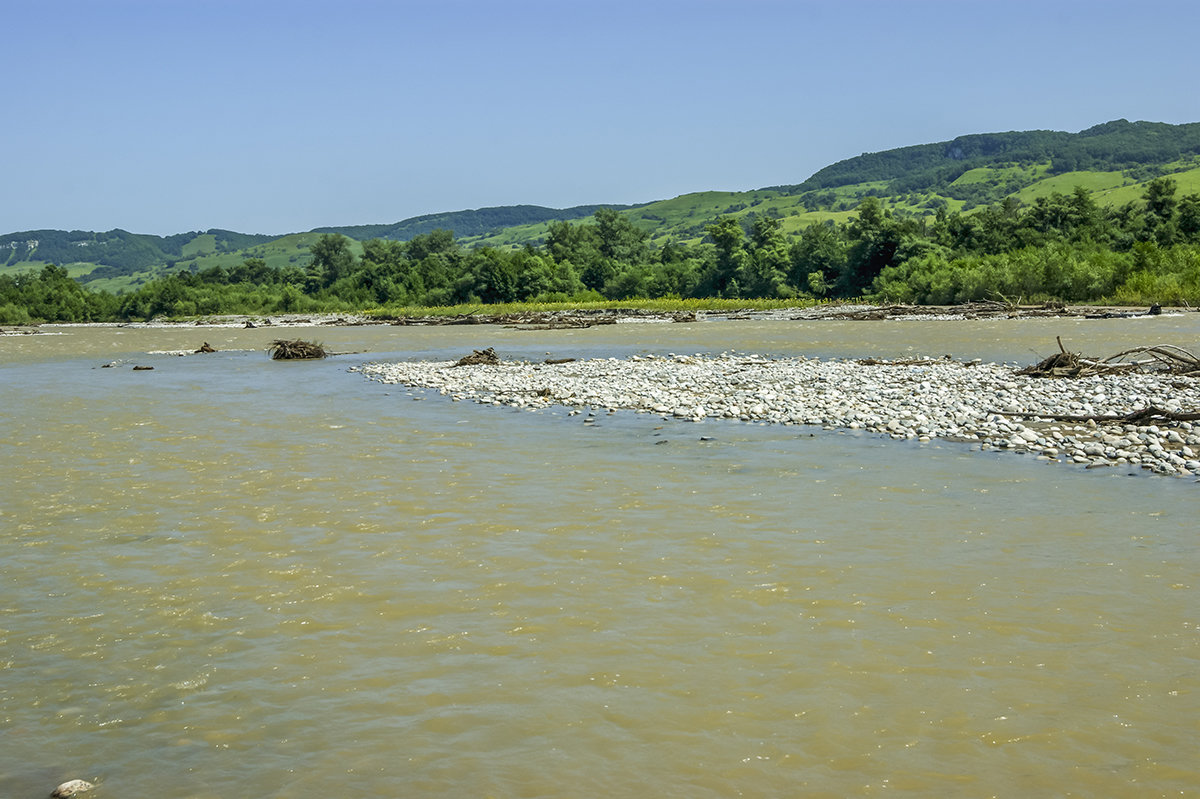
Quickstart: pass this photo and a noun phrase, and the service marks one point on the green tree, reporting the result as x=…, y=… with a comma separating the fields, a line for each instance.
x=1160, y=211
x=764, y=272
x=496, y=277
x=728, y=239
x=579, y=245
x=875, y=238
x=618, y=239
x=1160, y=200
x=332, y=259
x=1189, y=217
x=817, y=258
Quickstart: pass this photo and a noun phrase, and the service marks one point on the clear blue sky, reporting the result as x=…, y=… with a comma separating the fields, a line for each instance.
x=276, y=116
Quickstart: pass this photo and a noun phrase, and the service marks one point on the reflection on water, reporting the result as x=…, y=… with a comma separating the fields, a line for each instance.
x=245, y=578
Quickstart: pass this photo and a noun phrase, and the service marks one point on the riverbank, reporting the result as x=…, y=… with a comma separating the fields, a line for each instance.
x=520, y=316
x=1090, y=421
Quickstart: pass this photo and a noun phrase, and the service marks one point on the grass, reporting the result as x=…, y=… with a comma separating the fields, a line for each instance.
x=1187, y=183
x=990, y=174
x=201, y=245
x=1100, y=183
x=17, y=267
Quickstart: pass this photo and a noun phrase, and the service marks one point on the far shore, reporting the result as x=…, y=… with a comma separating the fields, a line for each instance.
x=575, y=316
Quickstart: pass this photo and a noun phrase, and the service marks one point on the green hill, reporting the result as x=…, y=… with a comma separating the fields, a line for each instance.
x=1113, y=146
x=116, y=254
x=466, y=224
x=1113, y=160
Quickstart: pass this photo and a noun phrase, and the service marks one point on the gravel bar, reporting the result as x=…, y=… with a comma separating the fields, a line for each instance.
x=987, y=404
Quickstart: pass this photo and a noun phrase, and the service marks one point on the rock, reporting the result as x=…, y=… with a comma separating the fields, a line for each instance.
x=71, y=788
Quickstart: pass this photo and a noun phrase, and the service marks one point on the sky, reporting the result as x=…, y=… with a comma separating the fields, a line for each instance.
x=280, y=116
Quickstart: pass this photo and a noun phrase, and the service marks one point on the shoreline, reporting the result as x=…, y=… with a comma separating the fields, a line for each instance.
x=988, y=405
x=588, y=317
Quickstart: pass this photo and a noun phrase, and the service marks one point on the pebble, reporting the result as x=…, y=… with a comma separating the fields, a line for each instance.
x=974, y=402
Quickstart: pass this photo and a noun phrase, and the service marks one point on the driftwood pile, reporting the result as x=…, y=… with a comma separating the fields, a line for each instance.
x=486, y=357
x=548, y=320
x=982, y=309
x=1160, y=359
x=282, y=350
x=1164, y=359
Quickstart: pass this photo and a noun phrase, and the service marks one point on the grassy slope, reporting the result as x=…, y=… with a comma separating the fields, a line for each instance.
x=289, y=250
x=1101, y=183
x=683, y=218
x=204, y=243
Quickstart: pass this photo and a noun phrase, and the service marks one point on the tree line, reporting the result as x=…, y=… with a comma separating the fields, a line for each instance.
x=1062, y=247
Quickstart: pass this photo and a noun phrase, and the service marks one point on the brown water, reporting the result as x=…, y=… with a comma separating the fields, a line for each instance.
x=231, y=577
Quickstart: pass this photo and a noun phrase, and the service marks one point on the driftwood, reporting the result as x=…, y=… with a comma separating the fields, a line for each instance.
x=982, y=309
x=548, y=320
x=1163, y=359
x=1141, y=416
x=205, y=347
x=1155, y=310
x=556, y=361
x=908, y=361
x=486, y=357
x=296, y=349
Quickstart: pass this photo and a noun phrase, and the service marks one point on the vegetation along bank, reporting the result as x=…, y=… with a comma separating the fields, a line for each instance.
x=1108, y=215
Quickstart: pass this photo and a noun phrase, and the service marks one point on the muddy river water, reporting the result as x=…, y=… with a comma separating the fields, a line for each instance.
x=233, y=577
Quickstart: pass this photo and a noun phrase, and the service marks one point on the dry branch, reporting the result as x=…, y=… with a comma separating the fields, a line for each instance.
x=486, y=357
x=1141, y=416
x=1162, y=359
x=296, y=349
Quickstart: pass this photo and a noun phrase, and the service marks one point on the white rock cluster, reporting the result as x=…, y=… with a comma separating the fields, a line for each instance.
x=984, y=403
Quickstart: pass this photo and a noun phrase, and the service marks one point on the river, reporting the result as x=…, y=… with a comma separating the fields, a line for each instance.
x=233, y=577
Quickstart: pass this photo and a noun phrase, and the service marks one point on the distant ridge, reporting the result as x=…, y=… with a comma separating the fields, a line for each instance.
x=476, y=222
x=1111, y=146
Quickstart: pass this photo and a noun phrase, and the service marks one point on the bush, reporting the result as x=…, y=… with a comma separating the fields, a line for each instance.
x=14, y=315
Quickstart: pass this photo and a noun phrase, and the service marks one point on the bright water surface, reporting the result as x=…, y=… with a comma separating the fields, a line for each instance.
x=231, y=577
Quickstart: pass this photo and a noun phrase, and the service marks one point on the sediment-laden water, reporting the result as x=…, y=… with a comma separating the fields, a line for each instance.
x=233, y=577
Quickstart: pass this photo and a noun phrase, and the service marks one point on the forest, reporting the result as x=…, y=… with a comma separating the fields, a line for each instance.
x=1061, y=247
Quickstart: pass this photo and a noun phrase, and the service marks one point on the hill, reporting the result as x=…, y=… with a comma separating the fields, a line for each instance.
x=478, y=222
x=1114, y=160
x=1112, y=146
